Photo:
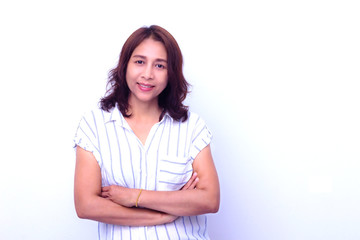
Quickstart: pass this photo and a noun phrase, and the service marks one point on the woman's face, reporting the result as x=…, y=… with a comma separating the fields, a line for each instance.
x=146, y=73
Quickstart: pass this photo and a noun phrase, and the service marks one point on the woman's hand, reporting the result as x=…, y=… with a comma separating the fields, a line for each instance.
x=169, y=218
x=191, y=184
x=127, y=196
x=120, y=195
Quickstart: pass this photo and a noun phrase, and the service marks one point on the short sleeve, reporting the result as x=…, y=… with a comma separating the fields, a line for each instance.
x=200, y=139
x=86, y=137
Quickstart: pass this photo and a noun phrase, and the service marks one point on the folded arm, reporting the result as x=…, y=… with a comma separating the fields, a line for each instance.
x=90, y=205
x=205, y=198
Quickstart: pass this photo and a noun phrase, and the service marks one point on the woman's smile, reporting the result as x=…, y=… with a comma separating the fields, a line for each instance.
x=145, y=87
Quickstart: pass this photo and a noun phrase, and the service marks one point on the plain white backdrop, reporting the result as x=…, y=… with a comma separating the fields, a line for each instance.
x=276, y=81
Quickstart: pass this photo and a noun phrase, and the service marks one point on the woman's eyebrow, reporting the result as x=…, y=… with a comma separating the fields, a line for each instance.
x=143, y=57
x=139, y=56
x=161, y=60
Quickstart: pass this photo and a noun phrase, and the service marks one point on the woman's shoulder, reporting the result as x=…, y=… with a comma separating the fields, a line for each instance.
x=96, y=113
x=195, y=118
x=192, y=115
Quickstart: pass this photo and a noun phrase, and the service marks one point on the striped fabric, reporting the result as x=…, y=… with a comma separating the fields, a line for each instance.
x=163, y=163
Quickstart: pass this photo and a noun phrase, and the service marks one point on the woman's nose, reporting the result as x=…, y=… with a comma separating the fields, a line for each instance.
x=148, y=72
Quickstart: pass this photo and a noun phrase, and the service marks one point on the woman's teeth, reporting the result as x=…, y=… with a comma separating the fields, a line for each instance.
x=145, y=86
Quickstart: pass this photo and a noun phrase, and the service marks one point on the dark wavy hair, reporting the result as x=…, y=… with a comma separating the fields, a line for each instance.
x=172, y=97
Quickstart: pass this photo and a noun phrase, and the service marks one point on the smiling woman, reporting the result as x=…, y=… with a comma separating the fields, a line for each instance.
x=146, y=74
x=177, y=88
x=144, y=168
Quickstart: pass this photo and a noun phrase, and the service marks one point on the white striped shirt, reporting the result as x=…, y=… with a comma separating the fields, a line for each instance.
x=163, y=163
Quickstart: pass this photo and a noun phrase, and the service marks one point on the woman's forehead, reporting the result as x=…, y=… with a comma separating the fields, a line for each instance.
x=150, y=48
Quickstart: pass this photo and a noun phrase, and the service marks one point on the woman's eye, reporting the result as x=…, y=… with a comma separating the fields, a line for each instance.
x=159, y=66
x=139, y=61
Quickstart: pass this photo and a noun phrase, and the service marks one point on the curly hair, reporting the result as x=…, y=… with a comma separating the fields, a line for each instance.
x=172, y=97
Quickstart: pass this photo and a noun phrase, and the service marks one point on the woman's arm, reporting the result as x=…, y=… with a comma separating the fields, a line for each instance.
x=205, y=198
x=90, y=205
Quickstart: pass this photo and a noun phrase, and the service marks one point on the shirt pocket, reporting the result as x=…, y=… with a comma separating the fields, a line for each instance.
x=174, y=173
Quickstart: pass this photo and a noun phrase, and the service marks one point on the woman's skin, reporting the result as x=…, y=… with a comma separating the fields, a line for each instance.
x=146, y=77
x=200, y=200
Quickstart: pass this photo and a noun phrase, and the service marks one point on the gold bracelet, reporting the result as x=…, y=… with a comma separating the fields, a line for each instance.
x=137, y=200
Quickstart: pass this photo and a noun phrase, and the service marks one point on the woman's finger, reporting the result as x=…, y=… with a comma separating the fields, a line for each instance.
x=194, y=183
x=104, y=194
x=190, y=182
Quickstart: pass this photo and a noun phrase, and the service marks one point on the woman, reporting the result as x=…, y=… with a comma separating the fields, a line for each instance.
x=144, y=168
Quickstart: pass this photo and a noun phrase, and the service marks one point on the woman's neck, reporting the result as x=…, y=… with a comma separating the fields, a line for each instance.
x=144, y=111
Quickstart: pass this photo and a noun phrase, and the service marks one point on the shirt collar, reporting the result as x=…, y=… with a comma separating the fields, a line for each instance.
x=166, y=115
x=116, y=116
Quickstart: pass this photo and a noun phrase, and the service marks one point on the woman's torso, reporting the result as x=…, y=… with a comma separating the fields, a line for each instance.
x=163, y=163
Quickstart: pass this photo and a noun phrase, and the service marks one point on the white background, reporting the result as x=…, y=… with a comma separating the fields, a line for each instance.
x=276, y=81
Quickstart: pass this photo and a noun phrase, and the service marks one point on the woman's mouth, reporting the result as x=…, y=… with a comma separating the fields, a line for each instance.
x=145, y=87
